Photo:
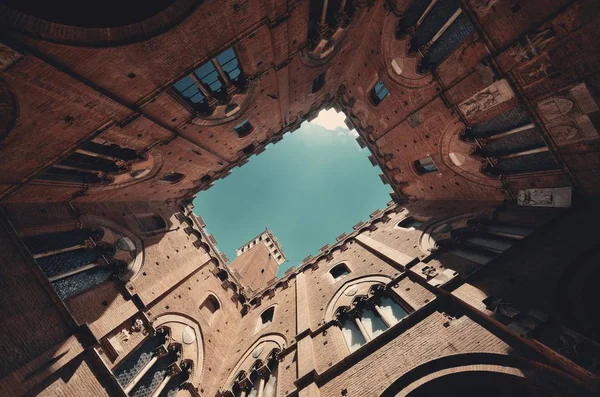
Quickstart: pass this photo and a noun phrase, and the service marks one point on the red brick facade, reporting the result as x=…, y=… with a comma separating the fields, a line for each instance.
x=482, y=115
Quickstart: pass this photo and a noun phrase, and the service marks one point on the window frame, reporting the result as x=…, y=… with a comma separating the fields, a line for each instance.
x=337, y=279
x=261, y=324
x=421, y=164
x=374, y=92
x=243, y=129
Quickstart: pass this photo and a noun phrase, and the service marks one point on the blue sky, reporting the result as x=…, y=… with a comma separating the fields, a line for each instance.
x=308, y=189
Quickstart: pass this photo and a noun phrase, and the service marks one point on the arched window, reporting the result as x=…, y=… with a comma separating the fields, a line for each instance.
x=151, y=223
x=209, y=307
x=340, y=271
x=259, y=380
x=425, y=165
x=369, y=319
x=410, y=223
x=208, y=84
x=318, y=82
x=156, y=366
x=378, y=93
x=91, y=163
x=243, y=129
x=78, y=260
x=266, y=318
x=172, y=177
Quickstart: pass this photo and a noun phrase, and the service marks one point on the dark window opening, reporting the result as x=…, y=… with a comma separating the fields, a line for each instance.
x=172, y=177
x=410, y=223
x=210, y=306
x=379, y=92
x=248, y=150
x=231, y=66
x=318, y=82
x=340, y=271
x=151, y=223
x=243, y=129
x=426, y=166
x=267, y=317
x=205, y=178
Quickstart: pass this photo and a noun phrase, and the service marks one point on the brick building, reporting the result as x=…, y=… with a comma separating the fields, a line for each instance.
x=479, y=277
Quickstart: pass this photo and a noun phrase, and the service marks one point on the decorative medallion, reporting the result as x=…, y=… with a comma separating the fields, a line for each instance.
x=188, y=335
x=258, y=350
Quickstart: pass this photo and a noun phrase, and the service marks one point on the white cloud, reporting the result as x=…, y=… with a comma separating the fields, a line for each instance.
x=330, y=119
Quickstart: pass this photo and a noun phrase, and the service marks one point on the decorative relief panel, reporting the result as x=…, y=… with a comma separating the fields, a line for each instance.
x=487, y=98
x=545, y=197
x=567, y=116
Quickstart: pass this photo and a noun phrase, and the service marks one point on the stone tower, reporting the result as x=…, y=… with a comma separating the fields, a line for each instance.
x=257, y=261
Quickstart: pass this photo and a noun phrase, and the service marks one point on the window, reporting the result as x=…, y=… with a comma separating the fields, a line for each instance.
x=209, y=307
x=91, y=163
x=340, y=271
x=426, y=165
x=378, y=92
x=151, y=223
x=248, y=150
x=410, y=223
x=78, y=260
x=266, y=317
x=172, y=177
x=318, y=82
x=373, y=319
x=243, y=129
x=146, y=371
x=259, y=380
x=230, y=65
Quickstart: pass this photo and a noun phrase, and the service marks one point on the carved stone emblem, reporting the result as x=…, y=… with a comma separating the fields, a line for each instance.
x=8, y=57
x=564, y=133
x=137, y=326
x=545, y=197
x=487, y=98
x=531, y=45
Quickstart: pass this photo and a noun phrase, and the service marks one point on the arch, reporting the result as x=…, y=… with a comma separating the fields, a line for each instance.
x=258, y=351
x=441, y=229
x=210, y=306
x=339, y=271
x=8, y=109
x=266, y=318
x=134, y=267
x=362, y=284
x=76, y=261
x=105, y=25
x=497, y=369
x=178, y=325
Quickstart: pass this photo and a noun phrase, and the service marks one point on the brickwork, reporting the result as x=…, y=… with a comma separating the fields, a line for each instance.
x=488, y=282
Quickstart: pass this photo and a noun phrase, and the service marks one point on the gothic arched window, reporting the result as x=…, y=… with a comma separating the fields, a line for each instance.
x=155, y=368
x=78, y=260
x=259, y=380
x=92, y=163
x=369, y=319
x=211, y=83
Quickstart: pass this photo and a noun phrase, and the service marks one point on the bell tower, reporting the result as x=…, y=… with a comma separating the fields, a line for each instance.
x=257, y=261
